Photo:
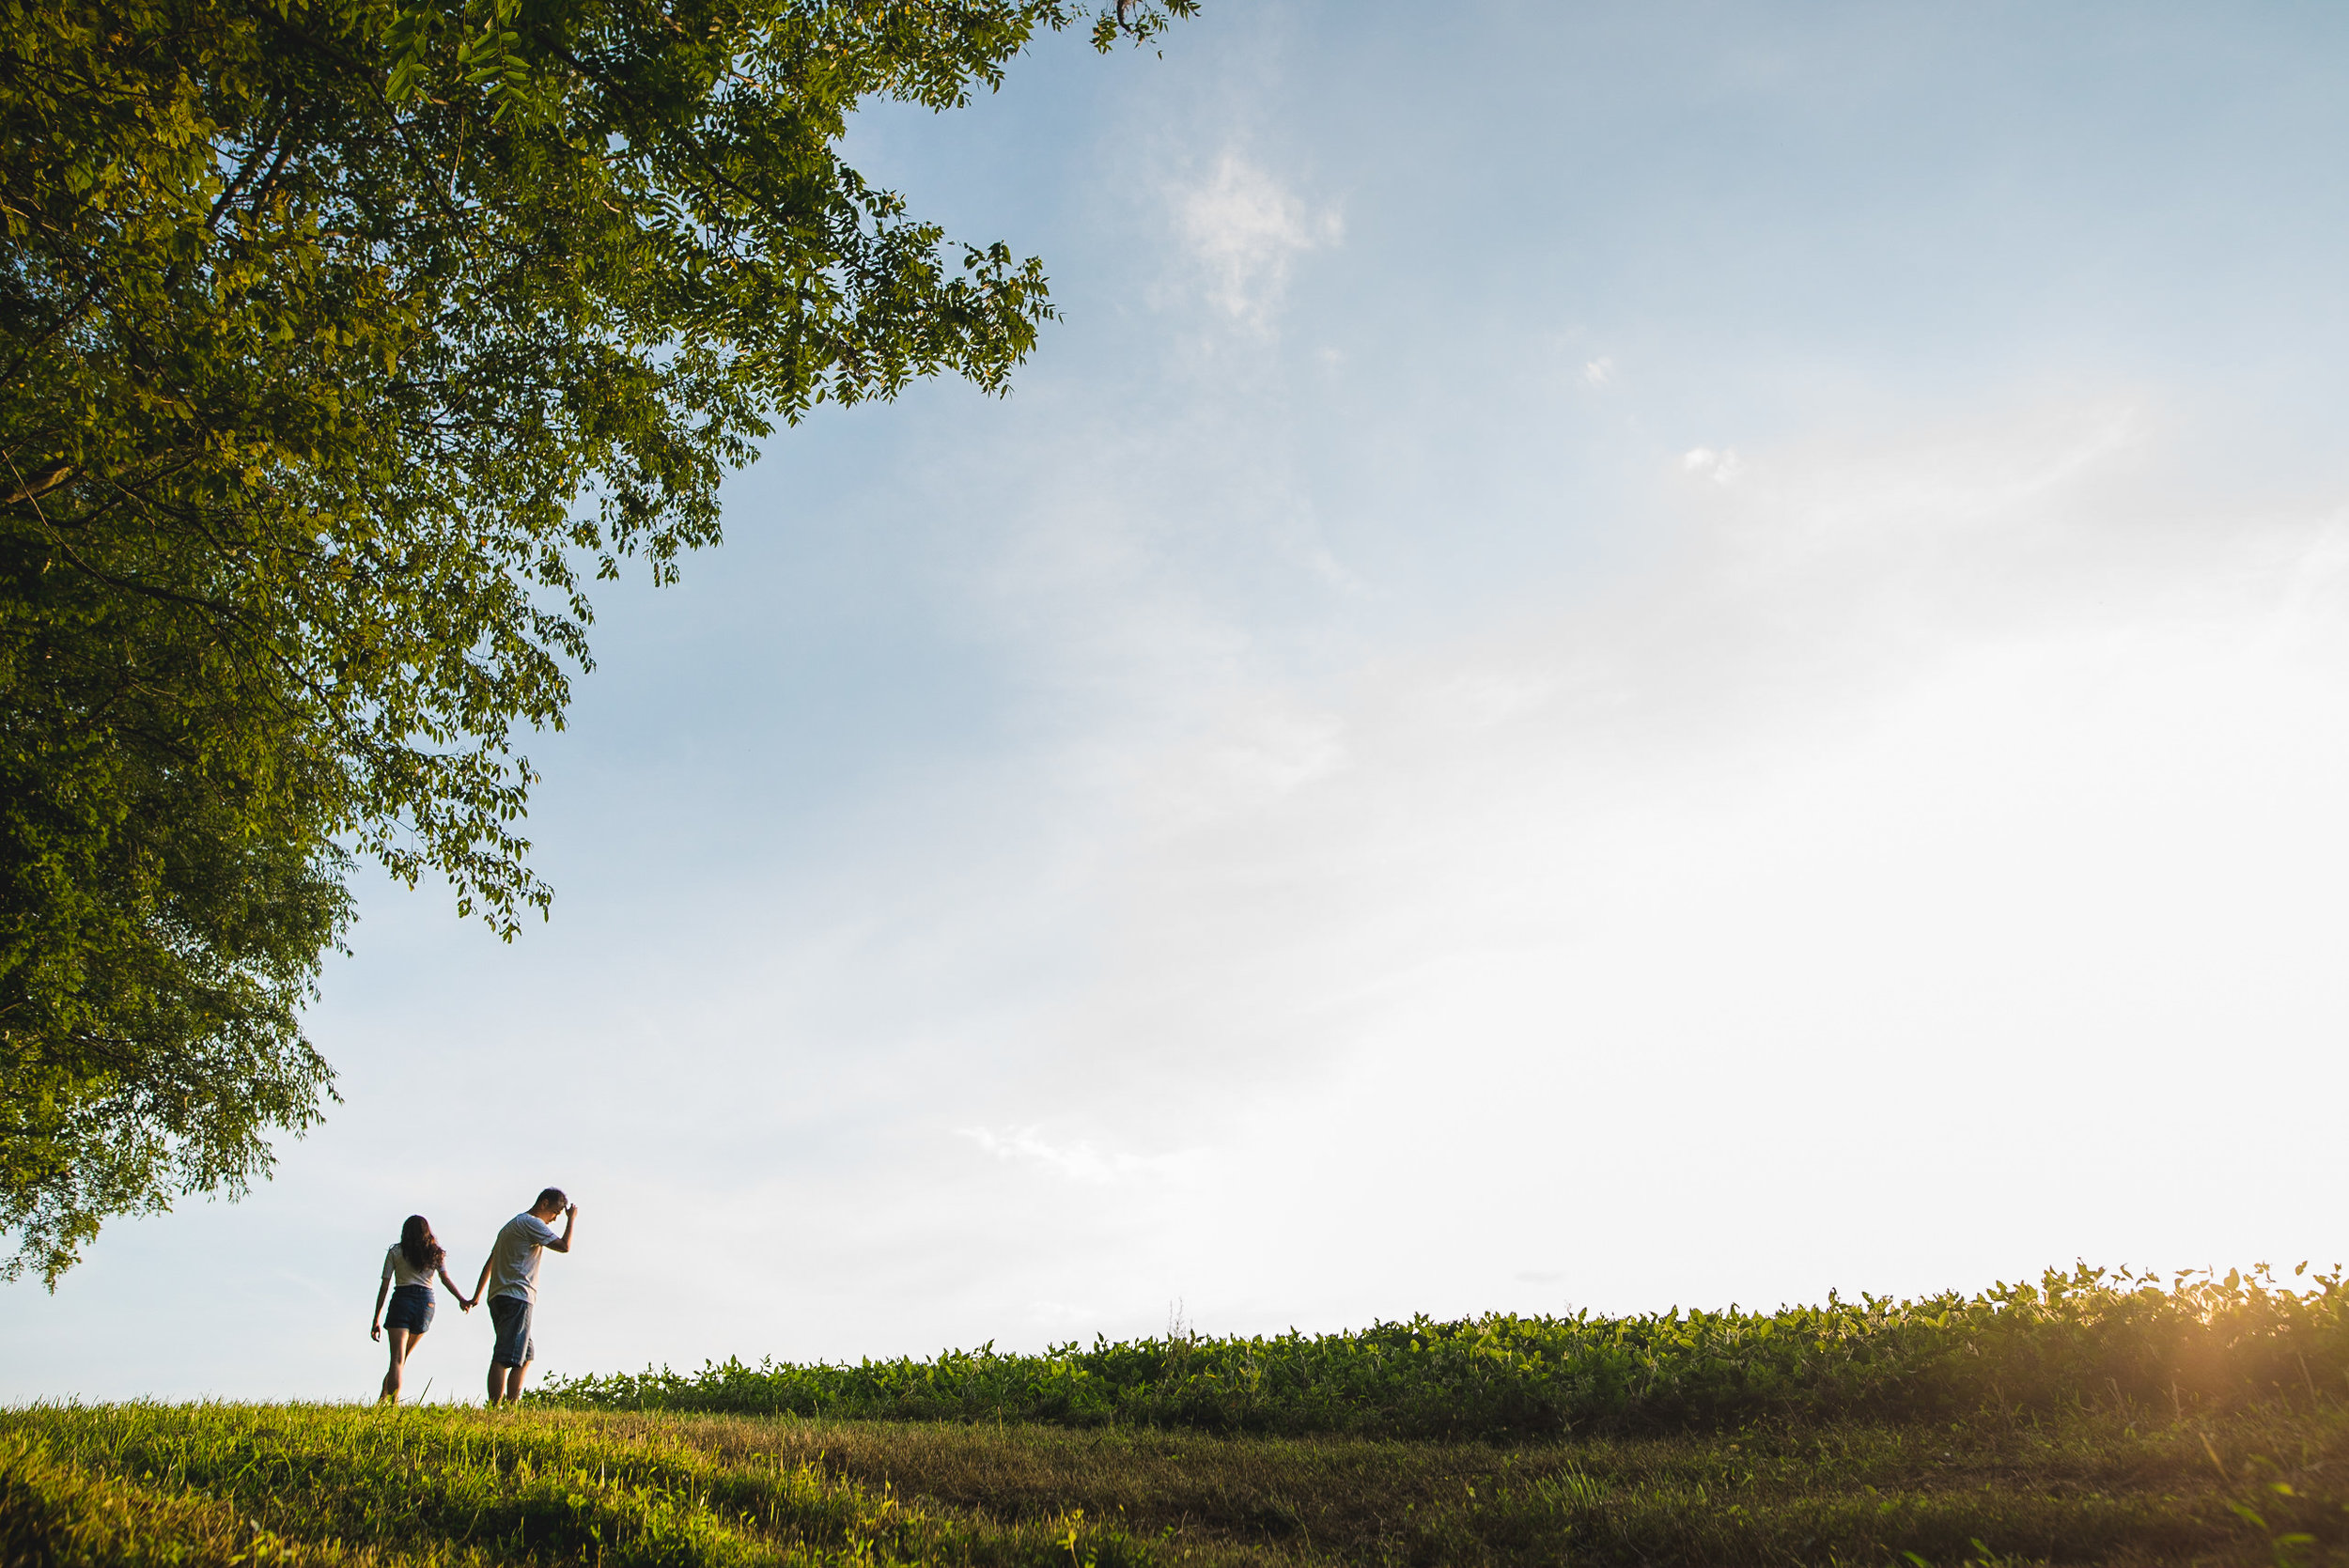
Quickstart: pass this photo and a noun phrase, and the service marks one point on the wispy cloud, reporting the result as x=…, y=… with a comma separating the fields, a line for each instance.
x=1243, y=228
x=1719, y=467
x=1082, y=1161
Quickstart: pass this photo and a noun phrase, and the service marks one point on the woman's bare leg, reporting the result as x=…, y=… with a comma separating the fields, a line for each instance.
x=403, y=1341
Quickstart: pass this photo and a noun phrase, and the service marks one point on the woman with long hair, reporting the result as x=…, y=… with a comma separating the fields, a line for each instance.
x=409, y=1269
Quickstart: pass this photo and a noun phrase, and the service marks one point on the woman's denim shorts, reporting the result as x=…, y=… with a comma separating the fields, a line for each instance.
x=412, y=1308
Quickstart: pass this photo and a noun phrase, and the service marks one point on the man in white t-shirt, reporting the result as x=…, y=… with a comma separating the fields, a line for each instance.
x=511, y=1277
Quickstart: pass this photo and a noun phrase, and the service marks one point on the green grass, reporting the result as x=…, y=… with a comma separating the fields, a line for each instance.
x=2088, y=1419
x=226, y=1483
x=219, y=1484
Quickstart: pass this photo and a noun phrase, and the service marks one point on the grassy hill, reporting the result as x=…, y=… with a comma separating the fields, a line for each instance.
x=1941, y=1433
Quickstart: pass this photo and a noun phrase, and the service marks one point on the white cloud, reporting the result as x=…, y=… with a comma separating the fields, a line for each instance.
x=1600, y=371
x=1081, y=1161
x=1719, y=467
x=1261, y=749
x=1243, y=228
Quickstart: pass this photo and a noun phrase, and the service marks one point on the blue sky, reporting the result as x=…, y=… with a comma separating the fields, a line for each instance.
x=1620, y=656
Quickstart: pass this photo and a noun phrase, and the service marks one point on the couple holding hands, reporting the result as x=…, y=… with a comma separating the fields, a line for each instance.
x=510, y=1276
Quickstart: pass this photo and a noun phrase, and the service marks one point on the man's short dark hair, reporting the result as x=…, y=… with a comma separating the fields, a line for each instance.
x=551, y=1199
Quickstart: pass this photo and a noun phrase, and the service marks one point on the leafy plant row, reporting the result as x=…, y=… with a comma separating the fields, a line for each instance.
x=2083, y=1337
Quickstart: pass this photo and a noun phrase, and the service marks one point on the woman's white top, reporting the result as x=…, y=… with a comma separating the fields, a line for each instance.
x=395, y=1269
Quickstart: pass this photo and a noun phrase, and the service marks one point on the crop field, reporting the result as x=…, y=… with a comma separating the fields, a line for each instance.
x=2086, y=1420
x=2084, y=1339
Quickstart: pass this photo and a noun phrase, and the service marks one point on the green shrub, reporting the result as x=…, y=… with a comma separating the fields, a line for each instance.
x=2085, y=1337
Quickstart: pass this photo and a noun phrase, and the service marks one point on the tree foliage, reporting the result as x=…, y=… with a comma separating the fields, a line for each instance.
x=343, y=344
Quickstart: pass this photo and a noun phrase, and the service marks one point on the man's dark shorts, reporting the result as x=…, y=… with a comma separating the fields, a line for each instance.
x=512, y=1314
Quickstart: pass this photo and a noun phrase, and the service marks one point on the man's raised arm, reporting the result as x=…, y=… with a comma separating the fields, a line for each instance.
x=571, y=1218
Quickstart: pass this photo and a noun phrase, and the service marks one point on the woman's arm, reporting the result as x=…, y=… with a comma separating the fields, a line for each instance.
x=382, y=1289
x=461, y=1300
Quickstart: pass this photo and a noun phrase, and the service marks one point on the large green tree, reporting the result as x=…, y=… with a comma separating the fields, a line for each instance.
x=343, y=344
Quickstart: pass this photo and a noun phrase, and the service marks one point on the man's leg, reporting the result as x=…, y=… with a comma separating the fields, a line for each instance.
x=506, y=1383
x=513, y=1329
